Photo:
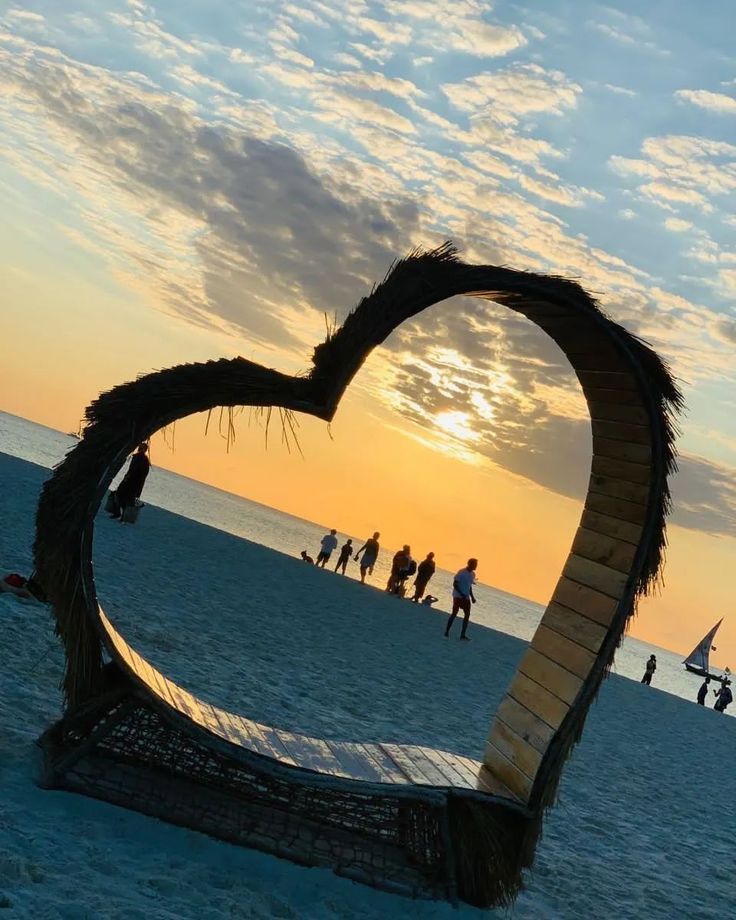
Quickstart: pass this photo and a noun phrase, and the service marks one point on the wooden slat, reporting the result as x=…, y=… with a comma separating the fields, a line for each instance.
x=465, y=777
x=621, y=431
x=575, y=626
x=525, y=723
x=621, y=450
x=481, y=778
x=356, y=758
x=439, y=772
x=564, y=651
x=385, y=763
x=537, y=699
x=507, y=772
x=616, y=507
x=408, y=766
x=550, y=675
x=592, y=604
x=617, y=554
x=254, y=738
x=619, y=469
x=591, y=361
x=619, y=488
x=607, y=380
x=597, y=395
x=614, y=412
x=513, y=746
x=309, y=753
x=230, y=730
x=611, y=526
x=594, y=575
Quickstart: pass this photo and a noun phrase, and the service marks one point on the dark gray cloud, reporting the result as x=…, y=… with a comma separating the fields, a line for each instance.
x=274, y=231
x=704, y=496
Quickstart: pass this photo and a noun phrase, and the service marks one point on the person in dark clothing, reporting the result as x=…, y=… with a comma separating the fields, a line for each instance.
x=370, y=554
x=651, y=668
x=346, y=551
x=306, y=557
x=132, y=484
x=425, y=571
x=399, y=564
x=724, y=697
x=703, y=692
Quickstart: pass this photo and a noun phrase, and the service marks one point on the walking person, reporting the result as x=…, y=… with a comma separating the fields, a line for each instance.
x=462, y=597
x=424, y=572
x=370, y=555
x=131, y=486
x=724, y=697
x=328, y=544
x=650, y=669
x=703, y=692
x=345, y=553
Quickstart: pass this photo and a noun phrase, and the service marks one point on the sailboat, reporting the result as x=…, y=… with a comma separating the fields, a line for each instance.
x=697, y=661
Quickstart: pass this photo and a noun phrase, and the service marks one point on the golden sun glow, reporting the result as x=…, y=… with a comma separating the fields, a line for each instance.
x=458, y=424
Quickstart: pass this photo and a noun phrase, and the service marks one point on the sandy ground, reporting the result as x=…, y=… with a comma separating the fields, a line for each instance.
x=645, y=822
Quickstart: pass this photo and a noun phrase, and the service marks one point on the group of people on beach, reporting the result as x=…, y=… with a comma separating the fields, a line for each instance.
x=724, y=696
x=403, y=567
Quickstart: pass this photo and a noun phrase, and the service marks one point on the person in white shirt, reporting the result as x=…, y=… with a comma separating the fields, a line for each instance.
x=329, y=542
x=462, y=596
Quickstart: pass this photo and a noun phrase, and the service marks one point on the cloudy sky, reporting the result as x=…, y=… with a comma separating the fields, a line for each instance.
x=181, y=181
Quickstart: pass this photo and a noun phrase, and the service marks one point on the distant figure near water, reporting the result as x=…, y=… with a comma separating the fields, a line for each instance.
x=424, y=572
x=703, y=692
x=329, y=542
x=370, y=555
x=132, y=483
x=306, y=557
x=650, y=669
x=462, y=596
x=345, y=553
x=724, y=697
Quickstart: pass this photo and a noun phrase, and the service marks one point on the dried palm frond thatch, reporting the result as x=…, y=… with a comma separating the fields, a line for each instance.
x=602, y=354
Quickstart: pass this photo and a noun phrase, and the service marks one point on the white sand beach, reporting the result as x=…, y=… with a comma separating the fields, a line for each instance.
x=645, y=822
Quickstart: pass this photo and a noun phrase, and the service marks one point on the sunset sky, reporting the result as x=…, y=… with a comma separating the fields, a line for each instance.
x=181, y=181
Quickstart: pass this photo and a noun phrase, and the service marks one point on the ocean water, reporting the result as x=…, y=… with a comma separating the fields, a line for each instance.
x=288, y=534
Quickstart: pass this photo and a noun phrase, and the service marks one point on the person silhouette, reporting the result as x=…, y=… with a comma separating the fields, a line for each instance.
x=132, y=483
x=724, y=697
x=328, y=543
x=425, y=571
x=370, y=555
x=650, y=669
x=703, y=692
x=462, y=597
x=345, y=553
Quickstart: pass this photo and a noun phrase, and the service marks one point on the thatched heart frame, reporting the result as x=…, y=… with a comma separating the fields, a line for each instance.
x=488, y=833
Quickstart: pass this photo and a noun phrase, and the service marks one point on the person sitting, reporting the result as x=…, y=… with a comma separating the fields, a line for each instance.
x=131, y=487
x=26, y=588
x=306, y=557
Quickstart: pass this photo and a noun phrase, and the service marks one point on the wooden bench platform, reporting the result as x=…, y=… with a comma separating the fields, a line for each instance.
x=366, y=762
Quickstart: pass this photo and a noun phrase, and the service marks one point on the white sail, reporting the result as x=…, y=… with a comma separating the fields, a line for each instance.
x=699, y=656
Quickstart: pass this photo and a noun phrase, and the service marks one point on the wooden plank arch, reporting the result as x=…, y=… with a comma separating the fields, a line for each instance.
x=487, y=832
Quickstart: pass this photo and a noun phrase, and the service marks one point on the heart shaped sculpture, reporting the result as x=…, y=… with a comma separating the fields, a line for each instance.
x=412, y=820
